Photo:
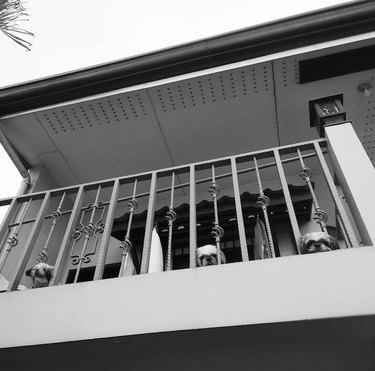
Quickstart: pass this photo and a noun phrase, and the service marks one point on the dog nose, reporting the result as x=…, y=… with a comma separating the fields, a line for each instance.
x=314, y=248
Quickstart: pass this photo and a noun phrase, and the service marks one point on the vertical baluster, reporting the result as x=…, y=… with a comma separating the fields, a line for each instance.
x=348, y=232
x=25, y=255
x=13, y=240
x=149, y=225
x=171, y=217
x=63, y=252
x=263, y=202
x=88, y=231
x=126, y=245
x=192, y=218
x=102, y=253
x=288, y=199
x=217, y=231
x=56, y=217
x=345, y=234
x=9, y=216
x=320, y=216
x=237, y=199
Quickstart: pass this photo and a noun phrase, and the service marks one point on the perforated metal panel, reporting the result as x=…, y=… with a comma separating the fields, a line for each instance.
x=368, y=136
x=290, y=72
x=106, y=111
x=214, y=88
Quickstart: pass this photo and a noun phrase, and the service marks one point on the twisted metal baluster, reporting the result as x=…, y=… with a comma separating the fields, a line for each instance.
x=263, y=202
x=171, y=217
x=320, y=216
x=88, y=231
x=13, y=241
x=126, y=245
x=42, y=257
x=217, y=231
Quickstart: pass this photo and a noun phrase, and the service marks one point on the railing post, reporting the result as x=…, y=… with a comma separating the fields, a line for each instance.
x=192, y=218
x=63, y=252
x=9, y=216
x=239, y=214
x=356, y=175
x=26, y=253
x=345, y=225
x=4, y=228
x=102, y=253
x=149, y=225
x=288, y=198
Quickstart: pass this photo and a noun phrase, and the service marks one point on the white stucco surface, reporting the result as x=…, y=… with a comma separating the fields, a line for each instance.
x=327, y=285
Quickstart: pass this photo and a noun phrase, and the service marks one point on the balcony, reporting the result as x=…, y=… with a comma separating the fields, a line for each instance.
x=104, y=232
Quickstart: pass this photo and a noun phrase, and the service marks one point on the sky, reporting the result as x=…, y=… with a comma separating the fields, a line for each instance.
x=74, y=34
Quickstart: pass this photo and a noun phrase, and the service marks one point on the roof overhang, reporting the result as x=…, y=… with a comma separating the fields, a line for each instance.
x=346, y=20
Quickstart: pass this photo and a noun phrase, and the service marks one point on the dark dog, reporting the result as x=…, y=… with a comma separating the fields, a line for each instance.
x=317, y=242
x=41, y=275
x=207, y=255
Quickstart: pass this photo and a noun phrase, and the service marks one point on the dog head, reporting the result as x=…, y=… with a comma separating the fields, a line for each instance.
x=207, y=255
x=41, y=274
x=317, y=242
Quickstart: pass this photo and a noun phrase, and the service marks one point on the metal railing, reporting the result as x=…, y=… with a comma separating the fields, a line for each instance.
x=32, y=231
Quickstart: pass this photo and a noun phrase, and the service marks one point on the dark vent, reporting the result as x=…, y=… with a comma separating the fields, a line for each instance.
x=337, y=64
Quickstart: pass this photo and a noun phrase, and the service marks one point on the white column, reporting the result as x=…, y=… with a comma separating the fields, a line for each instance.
x=356, y=175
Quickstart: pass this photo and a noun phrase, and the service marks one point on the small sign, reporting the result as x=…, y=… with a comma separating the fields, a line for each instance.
x=328, y=111
x=329, y=108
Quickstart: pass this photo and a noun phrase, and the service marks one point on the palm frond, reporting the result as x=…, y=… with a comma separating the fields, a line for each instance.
x=12, y=12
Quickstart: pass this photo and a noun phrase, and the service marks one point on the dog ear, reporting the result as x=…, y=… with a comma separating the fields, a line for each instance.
x=199, y=261
x=28, y=272
x=49, y=272
x=302, y=245
x=223, y=258
x=333, y=244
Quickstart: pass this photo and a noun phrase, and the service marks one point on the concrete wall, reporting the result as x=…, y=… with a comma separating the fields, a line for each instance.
x=326, y=285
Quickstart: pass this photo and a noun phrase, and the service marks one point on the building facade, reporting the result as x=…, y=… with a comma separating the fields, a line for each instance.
x=244, y=141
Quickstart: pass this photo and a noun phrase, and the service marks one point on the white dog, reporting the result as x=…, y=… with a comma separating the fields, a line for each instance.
x=41, y=274
x=317, y=242
x=207, y=255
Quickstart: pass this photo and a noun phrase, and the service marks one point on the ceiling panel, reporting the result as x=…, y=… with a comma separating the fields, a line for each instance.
x=28, y=137
x=108, y=137
x=218, y=115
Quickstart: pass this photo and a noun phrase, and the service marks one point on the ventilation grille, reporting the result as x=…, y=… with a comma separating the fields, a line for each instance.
x=337, y=64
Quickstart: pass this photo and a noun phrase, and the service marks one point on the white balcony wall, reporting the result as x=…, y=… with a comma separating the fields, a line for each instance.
x=326, y=285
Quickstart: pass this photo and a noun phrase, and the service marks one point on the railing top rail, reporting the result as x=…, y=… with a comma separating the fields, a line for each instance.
x=107, y=182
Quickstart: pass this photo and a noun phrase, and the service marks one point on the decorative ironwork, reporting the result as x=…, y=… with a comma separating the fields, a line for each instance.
x=320, y=216
x=87, y=231
x=171, y=216
x=126, y=244
x=263, y=202
x=217, y=231
x=42, y=257
x=13, y=240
